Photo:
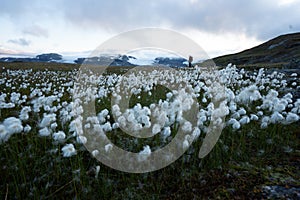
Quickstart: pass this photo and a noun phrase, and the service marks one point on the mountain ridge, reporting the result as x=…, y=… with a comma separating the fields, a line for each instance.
x=283, y=50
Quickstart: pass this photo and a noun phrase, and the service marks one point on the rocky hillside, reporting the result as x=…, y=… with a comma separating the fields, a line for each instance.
x=48, y=57
x=283, y=51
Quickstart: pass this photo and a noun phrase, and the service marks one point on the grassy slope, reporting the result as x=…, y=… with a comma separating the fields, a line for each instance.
x=38, y=65
x=288, y=49
x=53, y=66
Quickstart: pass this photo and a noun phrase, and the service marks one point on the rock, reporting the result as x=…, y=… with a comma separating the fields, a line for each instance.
x=49, y=57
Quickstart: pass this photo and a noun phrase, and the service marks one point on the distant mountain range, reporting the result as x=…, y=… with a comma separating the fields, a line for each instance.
x=49, y=57
x=106, y=60
x=283, y=50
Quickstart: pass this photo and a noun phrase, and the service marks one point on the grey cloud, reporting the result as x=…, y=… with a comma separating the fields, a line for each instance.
x=20, y=11
x=256, y=18
x=261, y=19
x=20, y=41
x=18, y=8
x=36, y=30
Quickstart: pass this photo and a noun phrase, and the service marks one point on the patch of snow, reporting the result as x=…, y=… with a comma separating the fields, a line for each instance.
x=140, y=61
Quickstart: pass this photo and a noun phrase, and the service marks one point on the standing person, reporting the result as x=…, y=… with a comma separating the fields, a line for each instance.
x=190, y=61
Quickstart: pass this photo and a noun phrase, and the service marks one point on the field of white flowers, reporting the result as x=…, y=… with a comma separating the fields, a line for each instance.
x=43, y=118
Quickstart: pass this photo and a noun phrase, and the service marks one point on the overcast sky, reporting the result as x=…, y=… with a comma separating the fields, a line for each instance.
x=72, y=27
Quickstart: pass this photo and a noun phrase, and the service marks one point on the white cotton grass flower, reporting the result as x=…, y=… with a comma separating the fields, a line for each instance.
x=44, y=132
x=13, y=125
x=116, y=110
x=196, y=133
x=93, y=120
x=272, y=93
x=185, y=144
x=59, y=136
x=296, y=108
x=106, y=127
x=234, y=123
x=201, y=120
x=102, y=116
x=276, y=117
x=80, y=139
x=96, y=129
x=279, y=107
x=232, y=106
x=24, y=113
x=260, y=113
x=144, y=154
x=169, y=95
x=95, y=153
x=108, y=148
x=166, y=133
x=221, y=111
x=7, y=105
x=87, y=126
x=244, y=120
x=248, y=95
x=230, y=95
x=291, y=118
x=131, y=117
x=4, y=136
x=115, y=125
x=187, y=127
x=122, y=121
x=14, y=98
x=47, y=108
x=265, y=121
x=253, y=117
x=69, y=150
x=53, y=126
x=27, y=128
x=202, y=117
x=156, y=129
x=236, y=115
x=242, y=111
x=47, y=120
x=76, y=126
x=97, y=171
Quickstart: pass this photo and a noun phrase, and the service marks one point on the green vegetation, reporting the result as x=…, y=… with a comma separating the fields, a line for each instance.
x=244, y=160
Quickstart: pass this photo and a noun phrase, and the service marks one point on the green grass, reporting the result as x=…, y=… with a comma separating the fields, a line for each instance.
x=30, y=170
x=32, y=167
x=36, y=66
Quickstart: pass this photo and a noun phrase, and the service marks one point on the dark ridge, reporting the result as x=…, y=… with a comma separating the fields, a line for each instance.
x=283, y=51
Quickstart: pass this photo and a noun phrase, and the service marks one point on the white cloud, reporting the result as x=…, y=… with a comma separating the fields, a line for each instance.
x=218, y=26
x=287, y=2
x=224, y=43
